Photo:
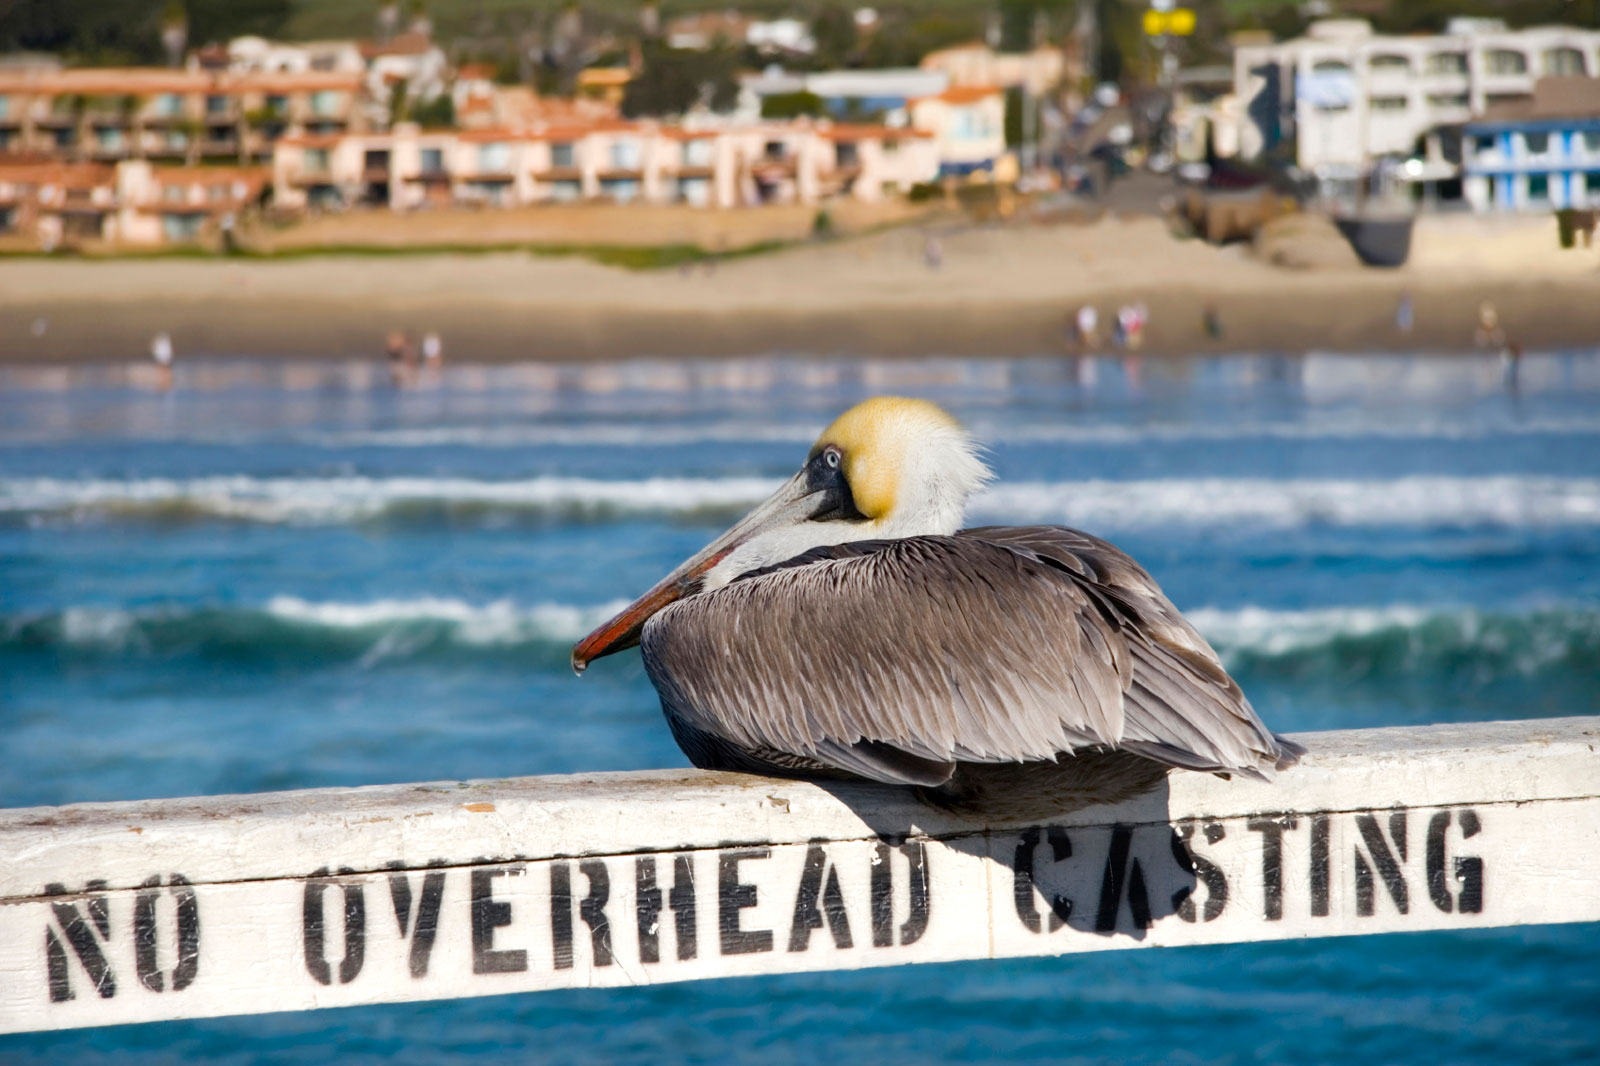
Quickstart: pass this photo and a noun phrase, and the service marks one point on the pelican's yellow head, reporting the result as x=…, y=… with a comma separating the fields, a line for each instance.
x=883, y=440
x=889, y=467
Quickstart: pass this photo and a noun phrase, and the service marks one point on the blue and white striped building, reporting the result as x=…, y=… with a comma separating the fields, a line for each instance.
x=1536, y=155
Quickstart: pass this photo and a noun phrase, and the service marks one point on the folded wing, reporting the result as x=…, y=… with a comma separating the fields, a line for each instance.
x=897, y=659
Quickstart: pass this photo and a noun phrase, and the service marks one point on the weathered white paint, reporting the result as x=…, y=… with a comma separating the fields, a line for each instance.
x=197, y=907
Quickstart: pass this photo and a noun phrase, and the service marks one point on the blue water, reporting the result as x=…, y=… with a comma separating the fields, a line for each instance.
x=287, y=576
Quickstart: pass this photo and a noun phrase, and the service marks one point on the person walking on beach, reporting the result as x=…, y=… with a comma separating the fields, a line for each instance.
x=1211, y=322
x=1489, y=333
x=161, y=354
x=432, y=353
x=1088, y=327
x=932, y=252
x=397, y=349
x=1404, y=314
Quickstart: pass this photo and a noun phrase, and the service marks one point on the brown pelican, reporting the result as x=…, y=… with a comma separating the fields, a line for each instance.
x=848, y=627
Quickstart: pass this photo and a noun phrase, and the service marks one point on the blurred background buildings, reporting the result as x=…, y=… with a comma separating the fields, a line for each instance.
x=144, y=123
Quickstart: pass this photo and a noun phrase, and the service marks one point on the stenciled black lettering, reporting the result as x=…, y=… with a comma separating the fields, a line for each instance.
x=1272, y=830
x=917, y=917
x=819, y=894
x=1024, y=879
x=651, y=901
x=734, y=896
x=592, y=909
x=1320, y=860
x=145, y=937
x=425, y=928
x=881, y=889
x=355, y=926
x=1384, y=859
x=1468, y=869
x=648, y=904
x=1205, y=872
x=489, y=914
x=561, y=915
x=80, y=929
x=681, y=900
x=1123, y=876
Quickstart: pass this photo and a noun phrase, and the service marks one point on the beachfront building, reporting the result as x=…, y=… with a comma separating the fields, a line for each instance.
x=1348, y=96
x=612, y=161
x=1536, y=154
x=111, y=114
x=50, y=205
x=968, y=127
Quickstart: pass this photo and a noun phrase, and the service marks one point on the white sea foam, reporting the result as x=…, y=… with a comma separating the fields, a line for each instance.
x=1424, y=501
x=499, y=622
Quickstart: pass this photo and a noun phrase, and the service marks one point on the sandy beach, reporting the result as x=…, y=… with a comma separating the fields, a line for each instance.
x=1001, y=289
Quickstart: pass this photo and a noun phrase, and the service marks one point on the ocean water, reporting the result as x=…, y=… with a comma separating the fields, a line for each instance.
x=286, y=575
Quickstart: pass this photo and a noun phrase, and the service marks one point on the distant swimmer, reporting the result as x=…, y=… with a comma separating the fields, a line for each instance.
x=161, y=353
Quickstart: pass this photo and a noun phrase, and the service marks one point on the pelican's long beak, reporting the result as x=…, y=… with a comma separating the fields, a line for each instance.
x=793, y=503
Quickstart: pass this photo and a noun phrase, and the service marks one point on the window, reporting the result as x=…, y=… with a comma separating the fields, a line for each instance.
x=177, y=140
x=697, y=191
x=432, y=160
x=5, y=105
x=8, y=219
x=847, y=154
x=1564, y=62
x=622, y=190
x=1389, y=63
x=1506, y=61
x=1388, y=103
x=1536, y=143
x=494, y=157
x=324, y=102
x=1591, y=184
x=773, y=150
x=566, y=191
x=697, y=153
x=1447, y=100
x=180, y=227
x=108, y=138
x=172, y=194
x=562, y=154
x=216, y=104
x=1447, y=63
x=1484, y=143
x=277, y=104
x=625, y=155
x=66, y=137
x=1330, y=66
x=169, y=105
x=1538, y=188
x=316, y=159
x=1591, y=141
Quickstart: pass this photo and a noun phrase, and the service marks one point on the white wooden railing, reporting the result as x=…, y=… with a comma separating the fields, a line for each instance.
x=129, y=912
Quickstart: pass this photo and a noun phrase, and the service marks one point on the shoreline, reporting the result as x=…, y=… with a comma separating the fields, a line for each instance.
x=1000, y=291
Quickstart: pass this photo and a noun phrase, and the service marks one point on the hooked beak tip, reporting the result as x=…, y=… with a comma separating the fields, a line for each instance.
x=579, y=663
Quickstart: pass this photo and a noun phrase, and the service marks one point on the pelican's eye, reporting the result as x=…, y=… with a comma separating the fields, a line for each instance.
x=831, y=457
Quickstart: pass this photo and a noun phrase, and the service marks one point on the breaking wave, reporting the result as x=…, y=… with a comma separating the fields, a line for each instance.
x=1351, y=644
x=1423, y=501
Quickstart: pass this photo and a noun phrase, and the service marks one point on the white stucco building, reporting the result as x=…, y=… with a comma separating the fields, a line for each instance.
x=1348, y=96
